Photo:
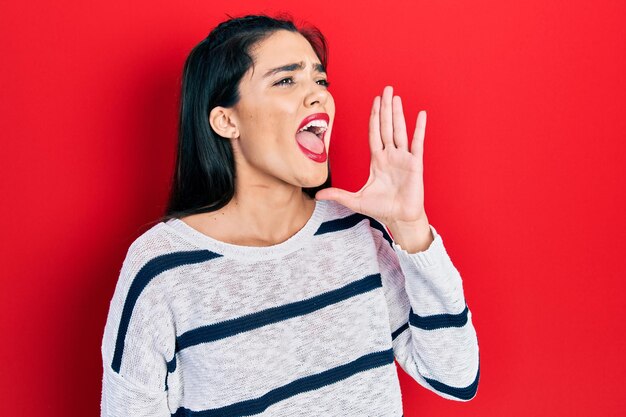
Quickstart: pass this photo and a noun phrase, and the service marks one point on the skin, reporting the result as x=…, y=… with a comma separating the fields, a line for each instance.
x=394, y=192
x=269, y=206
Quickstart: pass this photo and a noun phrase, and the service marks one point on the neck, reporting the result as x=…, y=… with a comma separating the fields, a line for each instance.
x=265, y=215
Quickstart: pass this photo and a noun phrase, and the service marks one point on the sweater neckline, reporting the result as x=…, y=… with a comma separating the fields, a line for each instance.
x=252, y=253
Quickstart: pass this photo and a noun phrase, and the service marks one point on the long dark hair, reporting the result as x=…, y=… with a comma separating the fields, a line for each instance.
x=204, y=178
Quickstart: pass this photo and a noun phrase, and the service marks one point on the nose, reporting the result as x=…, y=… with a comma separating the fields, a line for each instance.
x=316, y=95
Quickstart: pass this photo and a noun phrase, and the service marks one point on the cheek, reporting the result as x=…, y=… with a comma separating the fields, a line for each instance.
x=330, y=109
x=331, y=106
x=265, y=132
x=272, y=126
x=252, y=125
x=263, y=119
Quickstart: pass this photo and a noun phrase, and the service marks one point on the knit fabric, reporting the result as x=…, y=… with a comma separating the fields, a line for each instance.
x=307, y=327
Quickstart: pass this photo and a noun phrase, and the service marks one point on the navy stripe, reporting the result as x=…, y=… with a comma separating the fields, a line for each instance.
x=252, y=321
x=466, y=393
x=150, y=270
x=351, y=221
x=308, y=383
x=377, y=225
x=339, y=224
x=438, y=321
x=399, y=331
x=171, y=365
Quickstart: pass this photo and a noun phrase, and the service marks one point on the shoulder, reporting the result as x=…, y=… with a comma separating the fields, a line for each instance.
x=159, y=249
x=157, y=241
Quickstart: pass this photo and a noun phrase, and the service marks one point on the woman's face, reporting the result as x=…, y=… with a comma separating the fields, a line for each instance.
x=285, y=113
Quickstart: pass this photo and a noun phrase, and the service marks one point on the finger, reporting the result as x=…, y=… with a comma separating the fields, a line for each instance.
x=343, y=197
x=386, y=121
x=399, y=125
x=374, y=130
x=417, y=147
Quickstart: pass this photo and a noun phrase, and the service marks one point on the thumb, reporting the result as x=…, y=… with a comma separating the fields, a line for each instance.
x=343, y=197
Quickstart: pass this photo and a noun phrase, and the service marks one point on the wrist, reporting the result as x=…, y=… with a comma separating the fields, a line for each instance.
x=413, y=236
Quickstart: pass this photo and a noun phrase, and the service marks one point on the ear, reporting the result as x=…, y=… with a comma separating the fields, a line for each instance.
x=223, y=123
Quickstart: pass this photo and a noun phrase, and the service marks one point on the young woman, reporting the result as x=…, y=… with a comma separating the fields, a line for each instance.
x=252, y=297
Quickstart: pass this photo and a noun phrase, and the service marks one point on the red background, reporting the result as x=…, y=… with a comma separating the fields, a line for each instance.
x=524, y=175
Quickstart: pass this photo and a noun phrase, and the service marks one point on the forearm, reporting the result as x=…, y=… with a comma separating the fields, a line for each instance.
x=438, y=346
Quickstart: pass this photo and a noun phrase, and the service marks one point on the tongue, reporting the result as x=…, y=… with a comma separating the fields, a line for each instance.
x=310, y=141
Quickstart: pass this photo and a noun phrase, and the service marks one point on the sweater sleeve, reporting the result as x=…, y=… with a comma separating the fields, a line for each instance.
x=136, y=343
x=434, y=340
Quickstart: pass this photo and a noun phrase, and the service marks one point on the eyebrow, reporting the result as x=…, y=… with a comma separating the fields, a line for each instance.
x=293, y=67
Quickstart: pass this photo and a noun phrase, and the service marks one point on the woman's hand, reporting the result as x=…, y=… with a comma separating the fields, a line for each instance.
x=394, y=192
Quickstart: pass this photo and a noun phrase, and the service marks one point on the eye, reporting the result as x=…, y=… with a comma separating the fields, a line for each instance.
x=323, y=82
x=284, y=81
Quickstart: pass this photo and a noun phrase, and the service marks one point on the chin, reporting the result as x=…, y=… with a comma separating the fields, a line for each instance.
x=314, y=180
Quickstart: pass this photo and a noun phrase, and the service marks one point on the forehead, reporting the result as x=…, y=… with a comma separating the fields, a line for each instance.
x=280, y=48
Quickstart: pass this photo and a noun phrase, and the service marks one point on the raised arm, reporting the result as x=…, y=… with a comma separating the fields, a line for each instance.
x=433, y=337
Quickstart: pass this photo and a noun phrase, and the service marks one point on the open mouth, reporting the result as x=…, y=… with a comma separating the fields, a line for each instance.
x=310, y=135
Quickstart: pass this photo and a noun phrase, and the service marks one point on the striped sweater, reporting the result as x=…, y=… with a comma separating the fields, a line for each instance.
x=307, y=327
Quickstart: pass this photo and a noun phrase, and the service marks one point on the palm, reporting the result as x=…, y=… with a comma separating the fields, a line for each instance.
x=394, y=190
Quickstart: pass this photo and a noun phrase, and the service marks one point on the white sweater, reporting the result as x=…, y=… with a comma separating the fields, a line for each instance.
x=307, y=327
